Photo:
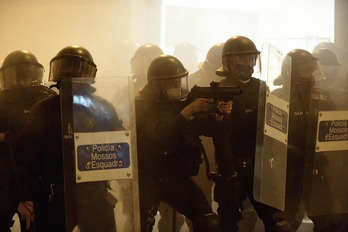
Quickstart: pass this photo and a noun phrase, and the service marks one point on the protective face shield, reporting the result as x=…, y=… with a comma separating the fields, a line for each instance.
x=168, y=78
x=24, y=75
x=72, y=62
x=299, y=66
x=329, y=63
x=175, y=89
x=240, y=59
x=305, y=67
x=307, y=71
x=21, y=68
x=331, y=72
x=70, y=67
x=241, y=65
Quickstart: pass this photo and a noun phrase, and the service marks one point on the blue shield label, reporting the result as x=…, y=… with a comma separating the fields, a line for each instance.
x=103, y=156
x=333, y=130
x=276, y=118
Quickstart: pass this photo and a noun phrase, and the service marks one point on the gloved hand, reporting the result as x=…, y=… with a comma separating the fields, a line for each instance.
x=223, y=108
x=26, y=210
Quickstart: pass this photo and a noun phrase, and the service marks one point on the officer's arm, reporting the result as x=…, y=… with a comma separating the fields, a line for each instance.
x=30, y=149
x=2, y=137
x=26, y=210
x=210, y=124
x=198, y=105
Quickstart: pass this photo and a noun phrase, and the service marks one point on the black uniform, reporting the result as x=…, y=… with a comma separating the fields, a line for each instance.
x=169, y=153
x=15, y=106
x=44, y=177
x=305, y=102
x=235, y=142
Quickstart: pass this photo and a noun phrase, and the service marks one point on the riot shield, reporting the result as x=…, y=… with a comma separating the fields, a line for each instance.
x=99, y=155
x=316, y=148
x=272, y=133
x=326, y=178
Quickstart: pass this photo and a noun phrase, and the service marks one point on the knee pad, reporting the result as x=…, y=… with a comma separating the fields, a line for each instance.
x=206, y=223
x=282, y=226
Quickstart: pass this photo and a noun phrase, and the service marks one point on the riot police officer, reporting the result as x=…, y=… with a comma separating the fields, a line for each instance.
x=336, y=219
x=235, y=140
x=44, y=179
x=203, y=77
x=206, y=72
x=189, y=54
x=169, y=149
x=22, y=85
x=140, y=63
x=306, y=98
x=331, y=67
x=339, y=52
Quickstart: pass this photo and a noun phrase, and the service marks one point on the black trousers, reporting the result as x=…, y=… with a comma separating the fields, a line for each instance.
x=91, y=212
x=181, y=193
x=230, y=202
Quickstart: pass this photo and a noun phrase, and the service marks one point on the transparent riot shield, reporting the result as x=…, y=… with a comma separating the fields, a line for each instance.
x=99, y=154
x=326, y=175
x=272, y=134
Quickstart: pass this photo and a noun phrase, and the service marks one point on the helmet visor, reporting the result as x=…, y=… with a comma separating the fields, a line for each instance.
x=242, y=65
x=309, y=71
x=172, y=88
x=331, y=72
x=21, y=75
x=67, y=67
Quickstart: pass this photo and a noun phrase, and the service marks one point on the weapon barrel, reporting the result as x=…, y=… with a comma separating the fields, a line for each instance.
x=216, y=93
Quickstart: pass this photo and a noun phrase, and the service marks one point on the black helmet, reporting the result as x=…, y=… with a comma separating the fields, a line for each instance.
x=189, y=55
x=325, y=56
x=147, y=50
x=168, y=78
x=213, y=57
x=239, y=57
x=304, y=66
x=328, y=45
x=71, y=62
x=143, y=56
x=21, y=68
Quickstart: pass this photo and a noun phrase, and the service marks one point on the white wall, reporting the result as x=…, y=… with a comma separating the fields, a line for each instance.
x=111, y=29
x=45, y=27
